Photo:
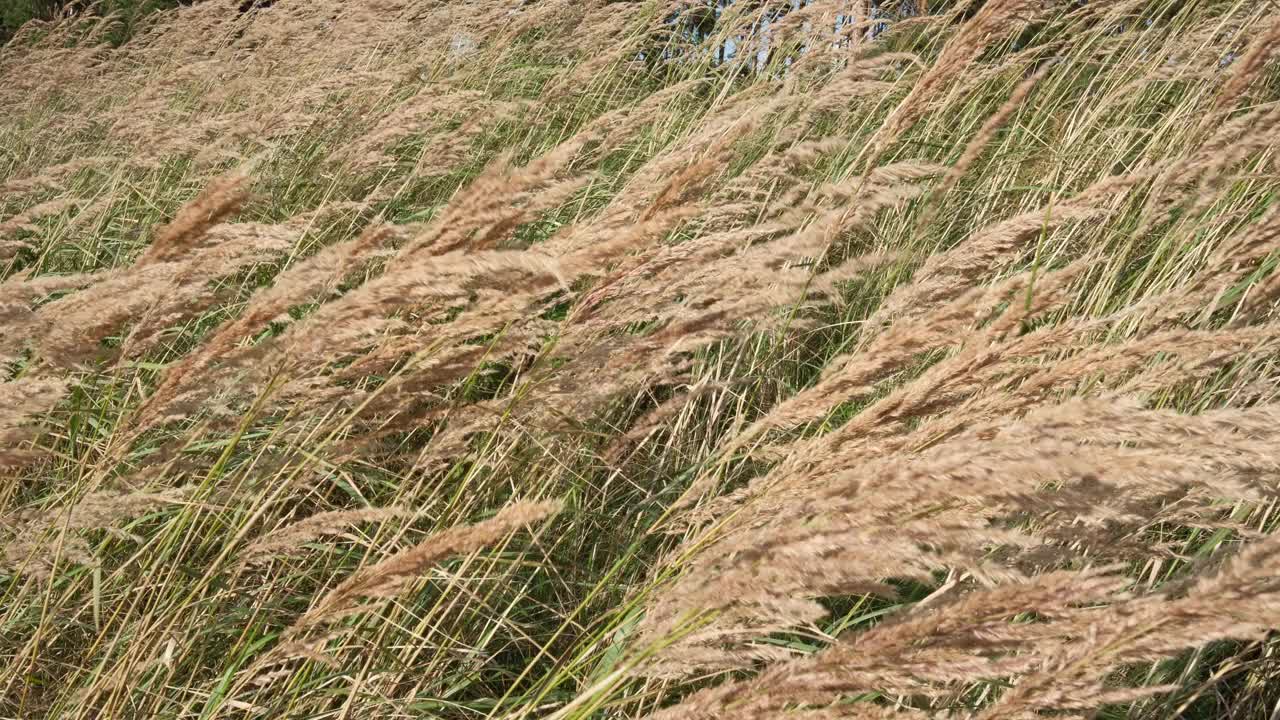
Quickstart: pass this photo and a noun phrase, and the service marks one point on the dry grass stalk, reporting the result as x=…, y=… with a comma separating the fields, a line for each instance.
x=288, y=540
x=41, y=539
x=657, y=257
x=388, y=577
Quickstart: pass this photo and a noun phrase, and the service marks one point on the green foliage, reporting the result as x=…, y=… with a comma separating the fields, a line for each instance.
x=16, y=13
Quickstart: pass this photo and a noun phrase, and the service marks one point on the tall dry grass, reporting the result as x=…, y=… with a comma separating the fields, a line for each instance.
x=569, y=359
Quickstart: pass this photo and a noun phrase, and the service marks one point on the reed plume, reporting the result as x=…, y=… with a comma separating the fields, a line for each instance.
x=890, y=359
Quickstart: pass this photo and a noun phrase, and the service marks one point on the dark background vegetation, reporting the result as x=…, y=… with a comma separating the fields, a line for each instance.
x=14, y=13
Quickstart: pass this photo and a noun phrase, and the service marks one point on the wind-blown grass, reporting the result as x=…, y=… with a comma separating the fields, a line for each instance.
x=508, y=360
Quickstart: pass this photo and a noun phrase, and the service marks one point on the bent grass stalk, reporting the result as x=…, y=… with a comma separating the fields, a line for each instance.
x=908, y=364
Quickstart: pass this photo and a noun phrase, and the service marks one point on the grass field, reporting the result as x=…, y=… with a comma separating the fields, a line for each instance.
x=581, y=359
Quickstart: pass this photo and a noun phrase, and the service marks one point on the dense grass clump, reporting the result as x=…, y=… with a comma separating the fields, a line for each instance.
x=564, y=359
